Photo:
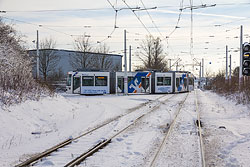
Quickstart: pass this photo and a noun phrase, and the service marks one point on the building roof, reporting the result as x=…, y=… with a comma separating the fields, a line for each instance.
x=72, y=51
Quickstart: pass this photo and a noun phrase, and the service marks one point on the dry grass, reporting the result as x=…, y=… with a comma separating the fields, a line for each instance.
x=231, y=88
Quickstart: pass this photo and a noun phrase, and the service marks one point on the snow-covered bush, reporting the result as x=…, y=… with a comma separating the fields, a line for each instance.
x=231, y=88
x=16, y=81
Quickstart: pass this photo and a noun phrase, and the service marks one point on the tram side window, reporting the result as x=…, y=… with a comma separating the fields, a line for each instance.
x=69, y=79
x=167, y=81
x=101, y=81
x=159, y=81
x=163, y=81
x=191, y=81
x=87, y=81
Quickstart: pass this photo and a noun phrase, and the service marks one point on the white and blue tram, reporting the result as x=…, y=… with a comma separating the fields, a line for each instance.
x=163, y=82
x=145, y=82
x=138, y=82
x=191, y=79
x=181, y=82
x=88, y=82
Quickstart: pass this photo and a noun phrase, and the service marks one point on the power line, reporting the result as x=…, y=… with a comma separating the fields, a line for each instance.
x=137, y=17
x=178, y=20
x=191, y=32
x=229, y=4
x=151, y=19
x=176, y=26
x=53, y=10
x=95, y=9
x=114, y=27
x=37, y=25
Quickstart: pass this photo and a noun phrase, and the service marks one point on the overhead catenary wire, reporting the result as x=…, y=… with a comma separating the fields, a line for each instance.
x=151, y=19
x=178, y=20
x=56, y=30
x=176, y=26
x=51, y=29
x=114, y=27
x=47, y=27
x=191, y=31
x=137, y=17
x=37, y=25
x=94, y=9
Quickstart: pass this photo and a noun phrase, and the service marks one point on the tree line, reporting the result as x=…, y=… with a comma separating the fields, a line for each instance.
x=16, y=79
x=152, y=56
x=231, y=88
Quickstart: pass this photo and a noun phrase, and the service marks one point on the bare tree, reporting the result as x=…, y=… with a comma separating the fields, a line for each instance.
x=102, y=60
x=81, y=60
x=102, y=48
x=152, y=54
x=48, y=58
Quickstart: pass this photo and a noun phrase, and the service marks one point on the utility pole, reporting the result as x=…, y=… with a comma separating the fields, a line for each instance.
x=125, y=65
x=169, y=64
x=177, y=63
x=230, y=68
x=200, y=71
x=226, y=62
x=240, y=70
x=191, y=7
x=37, y=55
x=130, y=58
x=202, y=67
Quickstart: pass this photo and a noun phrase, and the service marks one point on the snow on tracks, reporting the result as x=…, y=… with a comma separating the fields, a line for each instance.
x=113, y=123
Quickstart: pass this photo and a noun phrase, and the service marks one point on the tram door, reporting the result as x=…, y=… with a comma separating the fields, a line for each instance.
x=120, y=86
x=76, y=84
x=145, y=85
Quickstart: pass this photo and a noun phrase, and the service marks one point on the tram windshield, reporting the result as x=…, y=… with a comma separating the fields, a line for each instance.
x=69, y=79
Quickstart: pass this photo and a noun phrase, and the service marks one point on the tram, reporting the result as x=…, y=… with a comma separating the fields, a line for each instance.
x=139, y=82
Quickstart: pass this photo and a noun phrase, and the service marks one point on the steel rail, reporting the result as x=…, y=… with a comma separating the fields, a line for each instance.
x=152, y=164
x=83, y=156
x=45, y=153
x=200, y=132
x=68, y=141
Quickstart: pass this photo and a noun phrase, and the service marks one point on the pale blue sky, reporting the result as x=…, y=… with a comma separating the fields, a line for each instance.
x=213, y=27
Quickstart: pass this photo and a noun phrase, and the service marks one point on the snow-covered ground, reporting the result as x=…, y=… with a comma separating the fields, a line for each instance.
x=32, y=127
x=226, y=131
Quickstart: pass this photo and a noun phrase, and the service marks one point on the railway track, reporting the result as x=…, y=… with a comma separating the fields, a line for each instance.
x=153, y=162
x=102, y=144
x=170, y=129
x=36, y=158
x=200, y=132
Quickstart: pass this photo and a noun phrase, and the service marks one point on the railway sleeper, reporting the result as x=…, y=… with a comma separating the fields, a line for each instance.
x=87, y=154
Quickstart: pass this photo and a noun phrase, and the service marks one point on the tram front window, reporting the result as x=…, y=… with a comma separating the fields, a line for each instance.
x=69, y=79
